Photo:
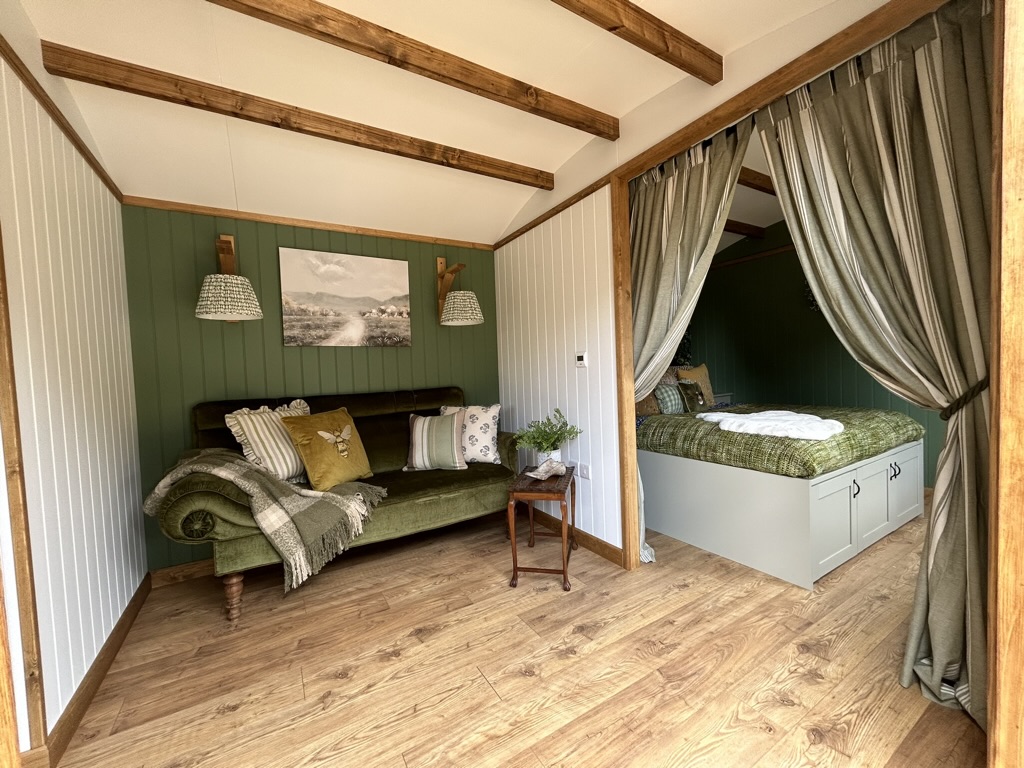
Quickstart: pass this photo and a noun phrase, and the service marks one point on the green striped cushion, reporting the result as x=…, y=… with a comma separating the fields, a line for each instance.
x=435, y=442
x=265, y=441
x=670, y=399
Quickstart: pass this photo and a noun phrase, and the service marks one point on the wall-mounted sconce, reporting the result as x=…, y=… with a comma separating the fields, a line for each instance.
x=227, y=295
x=455, y=307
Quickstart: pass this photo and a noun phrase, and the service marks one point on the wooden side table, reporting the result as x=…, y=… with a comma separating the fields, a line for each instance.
x=556, y=488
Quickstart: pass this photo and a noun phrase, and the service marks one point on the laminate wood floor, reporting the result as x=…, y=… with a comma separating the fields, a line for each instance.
x=418, y=653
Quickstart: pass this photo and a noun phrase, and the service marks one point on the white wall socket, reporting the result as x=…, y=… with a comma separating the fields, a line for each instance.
x=585, y=471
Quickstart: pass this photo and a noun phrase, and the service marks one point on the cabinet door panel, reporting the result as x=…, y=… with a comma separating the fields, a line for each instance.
x=833, y=523
x=906, y=490
x=873, y=520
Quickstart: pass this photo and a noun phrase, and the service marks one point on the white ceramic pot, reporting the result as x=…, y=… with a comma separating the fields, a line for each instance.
x=543, y=456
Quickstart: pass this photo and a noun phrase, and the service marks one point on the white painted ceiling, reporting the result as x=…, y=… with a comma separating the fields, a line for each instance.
x=157, y=150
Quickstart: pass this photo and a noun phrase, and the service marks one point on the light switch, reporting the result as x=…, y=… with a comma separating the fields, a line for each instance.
x=581, y=359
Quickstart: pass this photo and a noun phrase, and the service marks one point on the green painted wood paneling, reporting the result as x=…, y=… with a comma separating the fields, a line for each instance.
x=762, y=341
x=180, y=361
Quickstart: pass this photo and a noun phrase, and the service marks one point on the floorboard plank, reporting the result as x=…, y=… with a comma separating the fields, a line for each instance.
x=418, y=653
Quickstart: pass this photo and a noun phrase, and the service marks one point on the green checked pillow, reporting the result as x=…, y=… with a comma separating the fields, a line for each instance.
x=435, y=442
x=670, y=399
x=264, y=440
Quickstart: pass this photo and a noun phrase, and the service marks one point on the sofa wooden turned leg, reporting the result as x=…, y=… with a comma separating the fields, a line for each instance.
x=233, y=595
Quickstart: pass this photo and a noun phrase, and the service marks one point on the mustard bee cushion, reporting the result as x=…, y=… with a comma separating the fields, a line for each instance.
x=330, y=448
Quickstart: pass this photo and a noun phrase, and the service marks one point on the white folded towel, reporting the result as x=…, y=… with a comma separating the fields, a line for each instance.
x=803, y=426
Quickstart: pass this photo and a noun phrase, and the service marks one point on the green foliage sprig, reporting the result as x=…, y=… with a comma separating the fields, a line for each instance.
x=549, y=434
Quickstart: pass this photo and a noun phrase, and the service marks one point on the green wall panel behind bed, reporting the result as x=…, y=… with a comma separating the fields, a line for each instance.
x=762, y=341
x=180, y=361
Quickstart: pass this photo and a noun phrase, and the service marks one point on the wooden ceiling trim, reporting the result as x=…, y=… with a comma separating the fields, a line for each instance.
x=859, y=36
x=752, y=179
x=288, y=221
x=330, y=25
x=35, y=87
x=123, y=76
x=646, y=31
x=742, y=228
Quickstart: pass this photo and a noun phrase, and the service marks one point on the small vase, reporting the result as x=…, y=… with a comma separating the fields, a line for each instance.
x=555, y=455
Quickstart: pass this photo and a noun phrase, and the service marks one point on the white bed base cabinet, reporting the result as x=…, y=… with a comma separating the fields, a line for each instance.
x=796, y=529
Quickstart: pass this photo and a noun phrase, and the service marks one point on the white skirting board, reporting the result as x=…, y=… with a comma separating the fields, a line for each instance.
x=796, y=529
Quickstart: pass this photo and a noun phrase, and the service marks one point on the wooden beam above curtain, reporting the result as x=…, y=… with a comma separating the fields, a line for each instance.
x=92, y=68
x=756, y=180
x=330, y=25
x=646, y=31
x=742, y=228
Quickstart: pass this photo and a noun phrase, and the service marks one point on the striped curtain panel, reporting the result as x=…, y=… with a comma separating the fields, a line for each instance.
x=883, y=170
x=677, y=214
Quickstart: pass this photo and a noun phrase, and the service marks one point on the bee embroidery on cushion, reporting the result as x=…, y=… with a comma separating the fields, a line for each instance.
x=338, y=439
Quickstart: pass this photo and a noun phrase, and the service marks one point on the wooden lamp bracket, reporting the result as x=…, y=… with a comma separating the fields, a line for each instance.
x=226, y=254
x=445, y=278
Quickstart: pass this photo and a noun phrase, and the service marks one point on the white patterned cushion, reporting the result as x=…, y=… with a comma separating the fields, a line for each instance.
x=479, y=432
x=265, y=441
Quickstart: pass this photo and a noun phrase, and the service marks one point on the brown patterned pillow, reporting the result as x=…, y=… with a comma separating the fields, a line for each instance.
x=648, y=406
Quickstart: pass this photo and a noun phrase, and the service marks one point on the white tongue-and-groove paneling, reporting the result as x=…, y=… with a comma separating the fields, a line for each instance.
x=64, y=259
x=554, y=299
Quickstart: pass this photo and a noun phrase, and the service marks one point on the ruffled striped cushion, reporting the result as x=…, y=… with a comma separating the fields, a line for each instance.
x=265, y=441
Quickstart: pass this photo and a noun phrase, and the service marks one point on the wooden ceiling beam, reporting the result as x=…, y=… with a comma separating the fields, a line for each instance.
x=762, y=182
x=644, y=30
x=330, y=25
x=92, y=68
x=742, y=228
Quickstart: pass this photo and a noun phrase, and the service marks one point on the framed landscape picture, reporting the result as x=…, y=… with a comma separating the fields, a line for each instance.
x=341, y=300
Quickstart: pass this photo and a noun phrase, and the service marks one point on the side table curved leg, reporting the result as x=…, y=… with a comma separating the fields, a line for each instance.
x=512, y=535
x=565, y=548
x=572, y=530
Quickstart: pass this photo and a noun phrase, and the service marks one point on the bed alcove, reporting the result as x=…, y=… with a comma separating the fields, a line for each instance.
x=757, y=330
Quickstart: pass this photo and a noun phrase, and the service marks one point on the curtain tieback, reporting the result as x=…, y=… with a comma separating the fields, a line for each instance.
x=964, y=399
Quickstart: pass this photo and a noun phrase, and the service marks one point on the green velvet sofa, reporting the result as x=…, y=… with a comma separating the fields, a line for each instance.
x=203, y=508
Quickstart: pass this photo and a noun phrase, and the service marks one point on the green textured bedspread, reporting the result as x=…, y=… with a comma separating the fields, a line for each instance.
x=867, y=433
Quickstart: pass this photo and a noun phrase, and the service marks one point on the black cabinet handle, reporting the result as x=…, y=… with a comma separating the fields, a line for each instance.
x=856, y=489
x=892, y=468
x=899, y=470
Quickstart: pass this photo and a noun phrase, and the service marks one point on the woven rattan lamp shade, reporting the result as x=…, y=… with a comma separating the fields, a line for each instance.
x=228, y=297
x=461, y=308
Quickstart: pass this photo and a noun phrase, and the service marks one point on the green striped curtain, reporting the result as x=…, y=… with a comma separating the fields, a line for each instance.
x=883, y=170
x=677, y=213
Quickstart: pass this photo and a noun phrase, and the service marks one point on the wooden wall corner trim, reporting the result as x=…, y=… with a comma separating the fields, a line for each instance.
x=623, y=306
x=25, y=74
x=176, y=574
x=14, y=474
x=1006, y=473
x=67, y=724
x=228, y=213
x=39, y=757
x=586, y=540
